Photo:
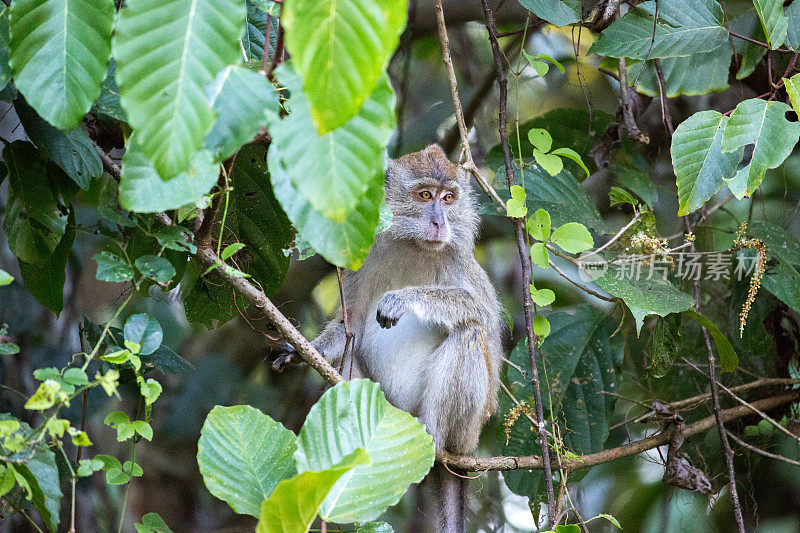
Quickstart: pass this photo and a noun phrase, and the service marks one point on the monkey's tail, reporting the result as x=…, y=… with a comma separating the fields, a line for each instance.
x=451, y=494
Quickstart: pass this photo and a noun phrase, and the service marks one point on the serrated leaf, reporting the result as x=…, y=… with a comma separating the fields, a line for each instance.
x=572, y=237
x=112, y=268
x=539, y=225
x=644, y=296
x=143, y=191
x=773, y=20
x=293, y=505
x=700, y=73
x=699, y=164
x=242, y=455
x=167, y=52
x=73, y=151
x=245, y=102
x=556, y=12
x=763, y=124
x=59, y=55
x=340, y=49
x=515, y=206
x=260, y=222
x=682, y=29
x=156, y=268
x=728, y=360
x=332, y=172
x=401, y=450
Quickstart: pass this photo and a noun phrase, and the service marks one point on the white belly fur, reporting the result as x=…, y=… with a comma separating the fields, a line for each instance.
x=399, y=353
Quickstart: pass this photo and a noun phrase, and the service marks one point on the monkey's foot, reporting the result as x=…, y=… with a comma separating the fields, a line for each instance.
x=288, y=356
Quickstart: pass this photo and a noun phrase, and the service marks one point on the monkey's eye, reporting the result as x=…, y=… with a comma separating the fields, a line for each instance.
x=449, y=197
x=425, y=195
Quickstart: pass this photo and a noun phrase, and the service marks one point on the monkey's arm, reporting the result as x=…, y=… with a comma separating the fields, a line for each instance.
x=330, y=343
x=449, y=306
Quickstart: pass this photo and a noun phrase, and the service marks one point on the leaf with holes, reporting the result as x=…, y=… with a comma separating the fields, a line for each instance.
x=73, y=151
x=401, y=450
x=340, y=49
x=59, y=55
x=156, y=268
x=243, y=454
x=682, y=29
x=698, y=161
x=764, y=125
x=167, y=52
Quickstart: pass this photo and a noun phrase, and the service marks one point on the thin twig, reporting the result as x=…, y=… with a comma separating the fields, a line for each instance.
x=348, y=335
x=578, y=285
x=469, y=165
x=726, y=446
x=277, y=57
x=765, y=45
x=666, y=119
x=525, y=260
x=267, y=37
x=620, y=233
x=627, y=106
x=759, y=451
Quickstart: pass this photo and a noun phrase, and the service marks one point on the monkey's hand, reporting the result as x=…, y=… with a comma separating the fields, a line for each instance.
x=287, y=355
x=391, y=308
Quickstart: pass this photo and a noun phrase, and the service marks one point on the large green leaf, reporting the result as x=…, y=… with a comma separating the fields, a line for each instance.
x=773, y=20
x=700, y=73
x=763, y=124
x=261, y=223
x=59, y=55
x=73, y=151
x=751, y=53
x=295, y=502
x=36, y=216
x=5, y=68
x=556, y=12
x=143, y=191
x=45, y=280
x=167, y=52
x=334, y=171
x=643, y=296
x=581, y=358
x=728, y=360
x=246, y=102
x=243, y=454
x=683, y=28
x=41, y=473
x=255, y=32
x=699, y=164
x=793, y=32
x=340, y=49
x=355, y=414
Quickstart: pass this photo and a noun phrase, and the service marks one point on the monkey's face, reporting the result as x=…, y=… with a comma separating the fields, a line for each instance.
x=430, y=200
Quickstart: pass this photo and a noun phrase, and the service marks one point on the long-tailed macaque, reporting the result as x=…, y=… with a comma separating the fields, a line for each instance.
x=426, y=318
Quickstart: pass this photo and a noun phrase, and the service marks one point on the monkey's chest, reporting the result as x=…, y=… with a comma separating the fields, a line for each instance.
x=398, y=357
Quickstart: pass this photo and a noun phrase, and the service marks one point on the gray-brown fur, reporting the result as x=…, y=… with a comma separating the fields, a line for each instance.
x=425, y=316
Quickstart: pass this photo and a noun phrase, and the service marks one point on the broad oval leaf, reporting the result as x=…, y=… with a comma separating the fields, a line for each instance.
x=59, y=55
x=573, y=237
x=143, y=191
x=763, y=124
x=699, y=164
x=293, y=505
x=73, y=151
x=145, y=331
x=246, y=102
x=340, y=49
x=556, y=12
x=167, y=52
x=334, y=171
x=682, y=29
x=156, y=268
x=700, y=73
x=112, y=268
x=243, y=454
x=773, y=20
x=45, y=281
x=401, y=450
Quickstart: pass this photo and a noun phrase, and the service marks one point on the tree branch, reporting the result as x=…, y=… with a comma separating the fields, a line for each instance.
x=525, y=260
x=534, y=462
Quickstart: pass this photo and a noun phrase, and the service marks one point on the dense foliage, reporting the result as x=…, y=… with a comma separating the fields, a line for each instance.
x=173, y=167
